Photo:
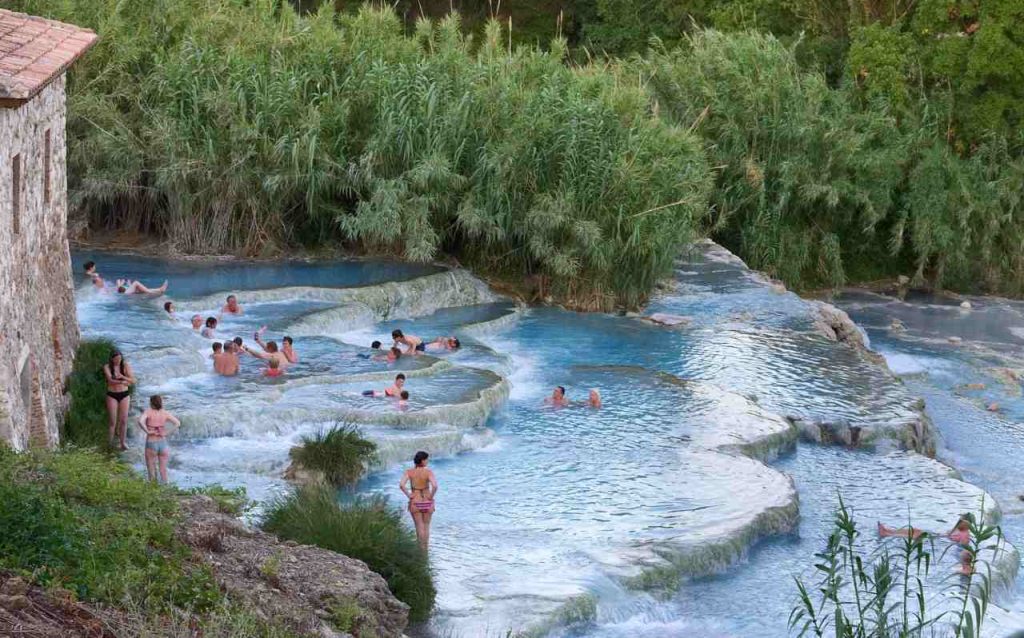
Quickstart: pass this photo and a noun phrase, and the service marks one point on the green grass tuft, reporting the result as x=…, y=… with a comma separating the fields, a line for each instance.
x=366, y=529
x=339, y=452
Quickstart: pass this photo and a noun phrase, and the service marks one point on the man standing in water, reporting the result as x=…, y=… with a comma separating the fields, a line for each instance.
x=557, y=398
x=287, y=347
x=232, y=307
x=90, y=271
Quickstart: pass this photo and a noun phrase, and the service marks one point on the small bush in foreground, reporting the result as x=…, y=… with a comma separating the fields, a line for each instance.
x=80, y=521
x=367, y=529
x=340, y=452
x=231, y=501
x=887, y=594
x=86, y=422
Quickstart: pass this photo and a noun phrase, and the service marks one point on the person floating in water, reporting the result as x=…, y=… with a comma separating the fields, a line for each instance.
x=232, y=307
x=595, y=398
x=273, y=368
x=413, y=344
x=422, y=486
x=376, y=346
x=134, y=287
x=557, y=398
x=119, y=378
x=210, y=329
x=90, y=271
x=394, y=391
x=154, y=423
x=197, y=322
x=966, y=565
x=287, y=346
x=169, y=309
x=960, y=534
x=403, y=400
x=444, y=343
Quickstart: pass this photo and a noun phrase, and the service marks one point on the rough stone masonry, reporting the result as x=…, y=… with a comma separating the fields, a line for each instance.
x=38, y=326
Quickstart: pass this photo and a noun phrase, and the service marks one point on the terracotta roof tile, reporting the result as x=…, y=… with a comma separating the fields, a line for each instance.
x=33, y=51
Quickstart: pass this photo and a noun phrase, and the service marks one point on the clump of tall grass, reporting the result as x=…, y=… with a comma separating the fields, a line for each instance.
x=889, y=593
x=340, y=453
x=85, y=424
x=367, y=529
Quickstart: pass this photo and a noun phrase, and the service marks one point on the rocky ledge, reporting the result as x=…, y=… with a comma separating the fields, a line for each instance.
x=302, y=587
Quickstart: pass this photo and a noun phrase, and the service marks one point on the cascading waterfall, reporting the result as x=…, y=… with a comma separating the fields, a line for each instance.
x=562, y=521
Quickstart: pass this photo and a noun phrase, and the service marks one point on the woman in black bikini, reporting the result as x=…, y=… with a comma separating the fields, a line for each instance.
x=120, y=378
x=421, y=490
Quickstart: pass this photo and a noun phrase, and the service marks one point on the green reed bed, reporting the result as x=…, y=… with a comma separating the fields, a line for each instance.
x=233, y=126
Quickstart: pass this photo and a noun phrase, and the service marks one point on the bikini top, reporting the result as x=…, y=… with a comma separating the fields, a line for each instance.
x=156, y=421
x=412, y=483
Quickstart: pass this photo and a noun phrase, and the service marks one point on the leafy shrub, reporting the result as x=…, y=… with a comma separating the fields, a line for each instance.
x=367, y=529
x=86, y=423
x=81, y=521
x=340, y=453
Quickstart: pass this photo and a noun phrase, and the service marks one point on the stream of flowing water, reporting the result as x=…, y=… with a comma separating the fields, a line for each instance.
x=566, y=521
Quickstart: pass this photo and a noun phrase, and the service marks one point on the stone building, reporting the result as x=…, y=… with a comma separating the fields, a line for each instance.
x=38, y=326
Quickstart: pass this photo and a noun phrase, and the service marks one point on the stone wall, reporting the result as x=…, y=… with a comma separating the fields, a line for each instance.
x=38, y=326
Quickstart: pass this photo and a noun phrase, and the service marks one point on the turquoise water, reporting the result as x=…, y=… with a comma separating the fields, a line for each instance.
x=541, y=506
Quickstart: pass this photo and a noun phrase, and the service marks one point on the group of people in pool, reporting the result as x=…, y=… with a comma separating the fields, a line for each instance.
x=123, y=286
x=559, y=399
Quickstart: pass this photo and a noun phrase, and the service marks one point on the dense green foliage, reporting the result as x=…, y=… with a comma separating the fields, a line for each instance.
x=85, y=424
x=888, y=593
x=367, y=529
x=232, y=126
x=847, y=140
x=81, y=521
x=339, y=452
x=819, y=184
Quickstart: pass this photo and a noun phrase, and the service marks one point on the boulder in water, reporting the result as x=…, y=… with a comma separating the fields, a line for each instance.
x=955, y=340
x=665, y=319
x=897, y=326
x=835, y=325
x=305, y=581
x=966, y=305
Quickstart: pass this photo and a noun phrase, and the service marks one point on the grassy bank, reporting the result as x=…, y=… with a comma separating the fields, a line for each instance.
x=83, y=522
x=367, y=529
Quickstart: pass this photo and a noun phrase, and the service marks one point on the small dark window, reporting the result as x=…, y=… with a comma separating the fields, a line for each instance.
x=47, y=151
x=16, y=191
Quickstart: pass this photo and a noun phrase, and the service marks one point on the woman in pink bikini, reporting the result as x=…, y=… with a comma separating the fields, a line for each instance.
x=421, y=490
x=154, y=423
